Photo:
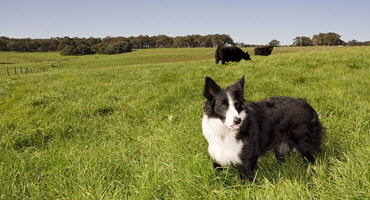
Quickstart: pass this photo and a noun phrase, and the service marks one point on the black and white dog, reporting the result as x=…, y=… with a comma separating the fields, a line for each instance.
x=238, y=134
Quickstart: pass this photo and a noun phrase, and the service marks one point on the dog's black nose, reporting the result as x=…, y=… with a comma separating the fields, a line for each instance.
x=237, y=120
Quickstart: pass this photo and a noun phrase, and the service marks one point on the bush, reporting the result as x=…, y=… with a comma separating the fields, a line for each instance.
x=67, y=50
x=82, y=49
x=71, y=50
x=115, y=48
x=127, y=47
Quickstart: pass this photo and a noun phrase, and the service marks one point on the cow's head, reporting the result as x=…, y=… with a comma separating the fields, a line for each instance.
x=247, y=56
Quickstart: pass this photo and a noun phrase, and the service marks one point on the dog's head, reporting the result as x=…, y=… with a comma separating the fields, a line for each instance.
x=225, y=104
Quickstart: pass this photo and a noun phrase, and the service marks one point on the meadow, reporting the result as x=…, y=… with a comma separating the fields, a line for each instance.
x=128, y=126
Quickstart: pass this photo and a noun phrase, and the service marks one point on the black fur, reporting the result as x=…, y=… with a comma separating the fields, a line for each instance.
x=233, y=54
x=275, y=121
x=269, y=125
x=263, y=51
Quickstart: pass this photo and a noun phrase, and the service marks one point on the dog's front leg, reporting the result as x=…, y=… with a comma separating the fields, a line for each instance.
x=247, y=170
x=217, y=167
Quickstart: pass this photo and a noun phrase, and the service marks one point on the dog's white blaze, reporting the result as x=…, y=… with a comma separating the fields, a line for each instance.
x=223, y=147
x=231, y=113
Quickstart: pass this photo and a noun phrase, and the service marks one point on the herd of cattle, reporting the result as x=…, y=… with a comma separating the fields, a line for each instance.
x=235, y=54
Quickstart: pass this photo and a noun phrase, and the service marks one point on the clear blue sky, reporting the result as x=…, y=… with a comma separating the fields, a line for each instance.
x=251, y=22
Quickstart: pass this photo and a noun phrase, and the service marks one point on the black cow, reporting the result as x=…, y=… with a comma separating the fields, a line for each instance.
x=263, y=51
x=226, y=54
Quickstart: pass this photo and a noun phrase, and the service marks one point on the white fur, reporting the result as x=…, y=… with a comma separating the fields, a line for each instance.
x=243, y=115
x=223, y=147
x=231, y=113
x=283, y=148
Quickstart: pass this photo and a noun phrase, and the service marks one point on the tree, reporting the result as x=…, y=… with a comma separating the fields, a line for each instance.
x=53, y=44
x=162, y=41
x=63, y=42
x=178, y=42
x=12, y=45
x=3, y=43
x=302, y=41
x=274, y=43
x=141, y=41
x=198, y=40
x=227, y=40
x=221, y=40
x=206, y=41
x=189, y=41
x=353, y=43
x=216, y=40
x=327, y=39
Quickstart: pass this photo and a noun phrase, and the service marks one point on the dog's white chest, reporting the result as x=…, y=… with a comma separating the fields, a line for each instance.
x=223, y=147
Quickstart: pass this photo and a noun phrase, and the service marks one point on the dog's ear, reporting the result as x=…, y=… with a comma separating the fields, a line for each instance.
x=239, y=86
x=240, y=83
x=210, y=88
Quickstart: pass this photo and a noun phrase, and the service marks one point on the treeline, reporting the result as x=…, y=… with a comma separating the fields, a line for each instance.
x=114, y=45
x=326, y=39
x=357, y=43
x=67, y=45
x=110, y=45
x=321, y=39
x=215, y=40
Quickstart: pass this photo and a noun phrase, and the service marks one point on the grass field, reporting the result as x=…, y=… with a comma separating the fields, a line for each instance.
x=128, y=126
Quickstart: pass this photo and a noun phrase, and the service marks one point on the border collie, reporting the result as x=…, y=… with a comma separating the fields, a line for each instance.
x=238, y=134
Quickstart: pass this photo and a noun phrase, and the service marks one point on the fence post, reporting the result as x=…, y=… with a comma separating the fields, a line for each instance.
x=15, y=70
x=7, y=69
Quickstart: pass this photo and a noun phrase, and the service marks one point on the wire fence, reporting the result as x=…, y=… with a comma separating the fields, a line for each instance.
x=14, y=71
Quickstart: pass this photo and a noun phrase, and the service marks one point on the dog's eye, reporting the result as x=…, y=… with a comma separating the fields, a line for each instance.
x=236, y=104
x=223, y=106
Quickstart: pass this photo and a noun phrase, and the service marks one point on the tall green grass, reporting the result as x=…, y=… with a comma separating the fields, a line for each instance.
x=129, y=126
